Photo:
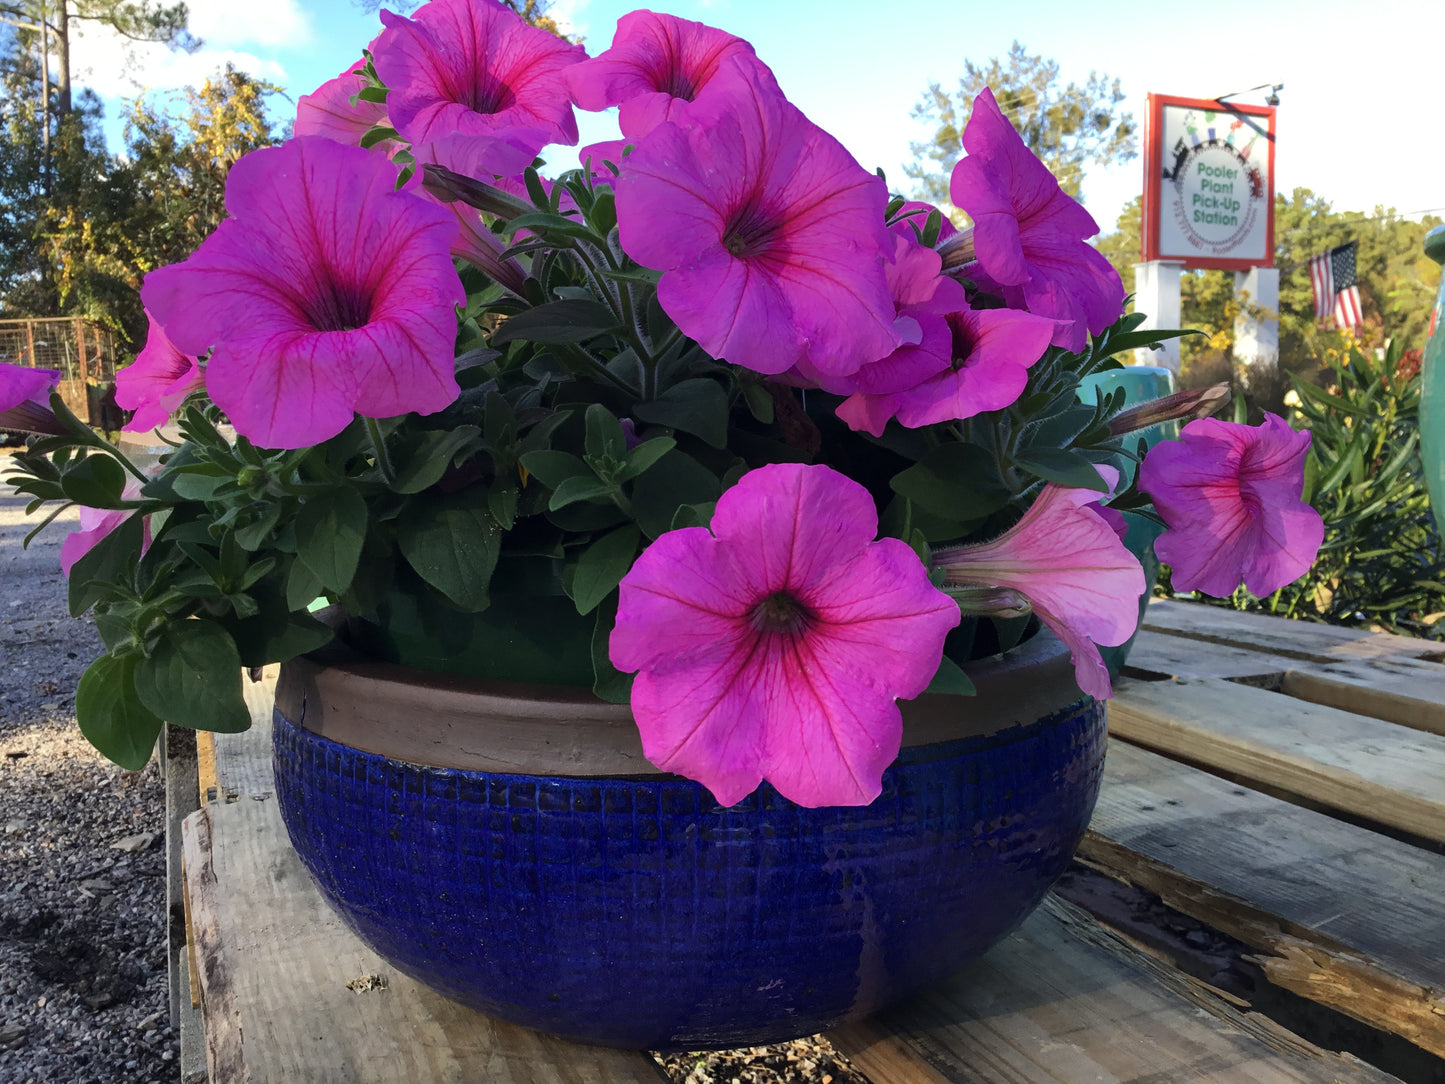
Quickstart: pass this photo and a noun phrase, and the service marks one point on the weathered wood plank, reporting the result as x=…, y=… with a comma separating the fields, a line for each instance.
x=1370, y=769
x=1339, y=914
x=1157, y=655
x=1292, y=639
x=1063, y=1000
x=1410, y=692
x=275, y=964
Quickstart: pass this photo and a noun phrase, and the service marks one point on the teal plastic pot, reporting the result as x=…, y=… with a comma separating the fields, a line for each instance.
x=1432, y=400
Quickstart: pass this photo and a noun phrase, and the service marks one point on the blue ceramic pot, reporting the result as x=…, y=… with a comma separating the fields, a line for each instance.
x=612, y=904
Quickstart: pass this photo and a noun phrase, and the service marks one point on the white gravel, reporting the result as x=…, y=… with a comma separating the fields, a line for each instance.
x=82, y=923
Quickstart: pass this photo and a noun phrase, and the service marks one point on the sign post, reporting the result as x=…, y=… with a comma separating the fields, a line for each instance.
x=1209, y=203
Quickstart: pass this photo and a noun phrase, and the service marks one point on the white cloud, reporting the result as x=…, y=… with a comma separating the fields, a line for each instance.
x=116, y=67
x=267, y=23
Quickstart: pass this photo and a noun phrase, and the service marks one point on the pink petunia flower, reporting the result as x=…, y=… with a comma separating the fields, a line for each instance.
x=326, y=293
x=96, y=524
x=1067, y=560
x=991, y=351
x=1230, y=495
x=25, y=399
x=775, y=645
x=1029, y=233
x=157, y=382
x=656, y=66
x=330, y=111
x=473, y=68
x=769, y=234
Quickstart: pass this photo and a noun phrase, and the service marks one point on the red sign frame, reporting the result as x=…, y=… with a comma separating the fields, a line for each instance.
x=1156, y=158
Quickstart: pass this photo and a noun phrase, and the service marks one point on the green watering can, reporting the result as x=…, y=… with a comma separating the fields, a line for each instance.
x=1141, y=383
x=1432, y=401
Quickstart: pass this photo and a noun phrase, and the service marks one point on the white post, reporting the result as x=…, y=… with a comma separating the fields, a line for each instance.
x=1256, y=328
x=1156, y=293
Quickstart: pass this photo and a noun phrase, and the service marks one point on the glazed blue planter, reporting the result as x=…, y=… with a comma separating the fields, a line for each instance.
x=631, y=910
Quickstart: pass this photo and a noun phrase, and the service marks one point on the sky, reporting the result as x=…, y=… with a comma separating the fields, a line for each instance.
x=1359, y=107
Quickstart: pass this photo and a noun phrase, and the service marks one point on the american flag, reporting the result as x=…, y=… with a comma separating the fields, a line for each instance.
x=1332, y=277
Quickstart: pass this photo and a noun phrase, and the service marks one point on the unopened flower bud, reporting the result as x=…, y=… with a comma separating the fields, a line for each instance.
x=1191, y=404
x=988, y=601
x=449, y=187
x=957, y=250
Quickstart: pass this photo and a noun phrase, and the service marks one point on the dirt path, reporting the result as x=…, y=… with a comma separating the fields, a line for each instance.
x=82, y=861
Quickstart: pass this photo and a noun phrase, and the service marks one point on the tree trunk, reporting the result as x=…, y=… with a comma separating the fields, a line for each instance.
x=62, y=58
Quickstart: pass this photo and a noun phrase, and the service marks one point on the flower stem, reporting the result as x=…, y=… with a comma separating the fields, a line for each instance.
x=383, y=457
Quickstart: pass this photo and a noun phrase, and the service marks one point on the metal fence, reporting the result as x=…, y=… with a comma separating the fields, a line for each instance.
x=81, y=349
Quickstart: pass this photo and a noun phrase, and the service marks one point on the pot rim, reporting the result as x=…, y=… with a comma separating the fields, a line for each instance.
x=449, y=721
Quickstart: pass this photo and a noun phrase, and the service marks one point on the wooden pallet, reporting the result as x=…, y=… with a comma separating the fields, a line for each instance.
x=1279, y=789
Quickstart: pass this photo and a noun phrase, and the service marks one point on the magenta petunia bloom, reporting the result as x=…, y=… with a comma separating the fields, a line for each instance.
x=20, y=385
x=656, y=66
x=95, y=524
x=991, y=351
x=1029, y=233
x=1066, y=559
x=330, y=111
x=769, y=234
x=157, y=382
x=1230, y=495
x=326, y=293
x=473, y=68
x=775, y=645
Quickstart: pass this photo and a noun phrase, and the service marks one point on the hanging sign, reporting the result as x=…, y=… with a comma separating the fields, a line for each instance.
x=1208, y=183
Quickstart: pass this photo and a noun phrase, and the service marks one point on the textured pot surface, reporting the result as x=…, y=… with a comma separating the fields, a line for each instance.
x=631, y=910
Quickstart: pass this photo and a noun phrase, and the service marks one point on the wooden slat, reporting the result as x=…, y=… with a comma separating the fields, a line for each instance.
x=1157, y=655
x=1292, y=639
x=1062, y=1001
x=275, y=962
x=1410, y=692
x=1369, y=769
x=1340, y=914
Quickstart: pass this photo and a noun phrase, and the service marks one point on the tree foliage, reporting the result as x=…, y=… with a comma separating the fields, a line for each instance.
x=533, y=12
x=80, y=227
x=1068, y=127
x=1396, y=280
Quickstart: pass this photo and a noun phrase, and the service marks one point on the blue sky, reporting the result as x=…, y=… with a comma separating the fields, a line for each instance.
x=1359, y=119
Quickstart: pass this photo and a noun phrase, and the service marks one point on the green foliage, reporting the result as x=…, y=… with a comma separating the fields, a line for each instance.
x=1382, y=563
x=1396, y=282
x=1068, y=127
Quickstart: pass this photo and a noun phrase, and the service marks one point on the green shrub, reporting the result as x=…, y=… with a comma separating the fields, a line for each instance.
x=1382, y=563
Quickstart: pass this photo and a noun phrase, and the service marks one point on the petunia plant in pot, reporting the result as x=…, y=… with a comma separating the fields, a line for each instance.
x=713, y=474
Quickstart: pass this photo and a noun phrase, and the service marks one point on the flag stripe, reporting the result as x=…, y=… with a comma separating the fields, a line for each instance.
x=1347, y=308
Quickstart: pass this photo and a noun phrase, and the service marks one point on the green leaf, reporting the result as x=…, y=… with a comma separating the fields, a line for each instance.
x=698, y=406
x=197, y=485
x=609, y=683
x=426, y=463
x=573, y=490
x=302, y=587
x=453, y=543
x=605, y=439
x=111, y=716
x=330, y=530
x=645, y=455
x=951, y=679
x=502, y=503
x=1062, y=467
x=760, y=403
x=96, y=482
x=192, y=678
x=552, y=467
x=557, y=322
x=254, y=534
x=602, y=566
x=675, y=479
x=955, y=482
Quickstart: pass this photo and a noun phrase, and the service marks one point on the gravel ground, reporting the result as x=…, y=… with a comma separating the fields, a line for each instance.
x=82, y=860
x=82, y=868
